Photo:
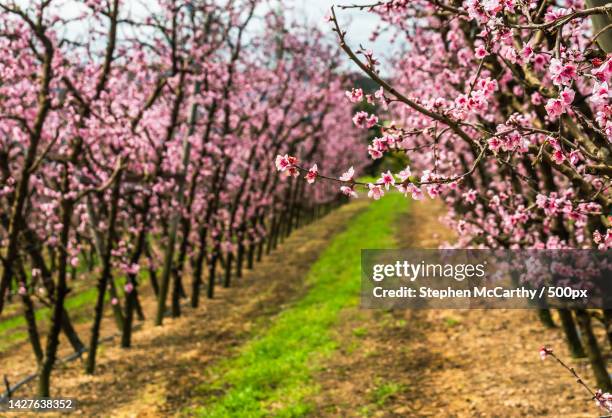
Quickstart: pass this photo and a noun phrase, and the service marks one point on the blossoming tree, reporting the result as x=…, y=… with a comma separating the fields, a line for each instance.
x=141, y=145
x=503, y=109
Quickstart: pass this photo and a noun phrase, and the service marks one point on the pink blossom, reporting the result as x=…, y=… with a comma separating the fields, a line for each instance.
x=380, y=94
x=283, y=162
x=536, y=99
x=374, y=152
x=603, y=71
x=293, y=171
x=554, y=14
x=604, y=241
x=544, y=352
x=554, y=108
x=567, y=96
x=348, y=191
x=404, y=174
x=549, y=204
x=386, y=179
x=480, y=52
x=562, y=74
x=597, y=238
x=129, y=287
x=355, y=95
x=132, y=269
x=348, y=175
x=575, y=157
x=470, y=196
x=558, y=157
x=492, y=6
x=601, y=94
x=433, y=190
x=364, y=120
x=603, y=400
x=527, y=52
x=375, y=192
x=517, y=91
x=360, y=119
x=416, y=192
x=509, y=53
x=372, y=121
x=494, y=143
x=554, y=142
x=461, y=101
x=557, y=107
x=312, y=174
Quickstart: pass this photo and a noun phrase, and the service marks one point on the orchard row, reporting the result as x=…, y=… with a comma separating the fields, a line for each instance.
x=503, y=110
x=142, y=141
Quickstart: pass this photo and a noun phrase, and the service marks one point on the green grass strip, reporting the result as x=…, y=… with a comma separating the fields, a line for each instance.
x=272, y=374
x=14, y=330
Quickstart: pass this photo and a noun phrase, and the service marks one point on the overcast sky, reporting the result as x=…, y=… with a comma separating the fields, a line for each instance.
x=359, y=24
x=362, y=23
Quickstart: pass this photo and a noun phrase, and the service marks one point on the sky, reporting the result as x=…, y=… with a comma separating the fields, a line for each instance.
x=359, y=24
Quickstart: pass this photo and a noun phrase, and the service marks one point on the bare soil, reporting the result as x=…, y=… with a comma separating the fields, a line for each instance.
x=157, y=377
x=447, y=363
x=443, y=363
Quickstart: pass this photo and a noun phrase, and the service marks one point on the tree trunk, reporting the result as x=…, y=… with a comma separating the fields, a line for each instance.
x=176, y=216
x=28, y=312
x=571, y=336
x=593, y=352
x=197, y=273
x=608, y=324
x=44, y=379
x=600, y=22
x=546, y=318
x=228, y=269
x=71, y=334
x=104, y=279
x=176, y=294
x=212, y=271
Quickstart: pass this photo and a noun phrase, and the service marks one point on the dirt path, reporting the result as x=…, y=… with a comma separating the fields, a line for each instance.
x=450, y=363
x=157, y=375
x=446, y=363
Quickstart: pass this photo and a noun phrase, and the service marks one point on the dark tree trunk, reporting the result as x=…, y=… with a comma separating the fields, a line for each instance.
x=597, y=361
x=251, y=255
x=126, y=335
x=44, y=379
x=212, y=271
x=104, y=279
x=608, y=324
x=199, y=267
x=546, y=318
x=152, y=272
x=28, y=311
x=228, y=269
x=71, y=334
x=571, y=336
x=239, y=258
x=176, y=294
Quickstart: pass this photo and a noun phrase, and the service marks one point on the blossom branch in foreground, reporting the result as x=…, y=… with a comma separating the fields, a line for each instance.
x=603, y=400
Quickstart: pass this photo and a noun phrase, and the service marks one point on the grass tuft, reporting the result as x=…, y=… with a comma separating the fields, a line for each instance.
x=272, y=375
